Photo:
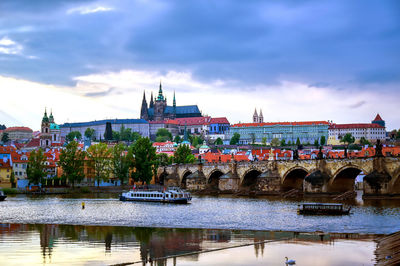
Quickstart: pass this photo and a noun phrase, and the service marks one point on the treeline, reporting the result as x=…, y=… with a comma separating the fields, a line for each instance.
x=138, y=161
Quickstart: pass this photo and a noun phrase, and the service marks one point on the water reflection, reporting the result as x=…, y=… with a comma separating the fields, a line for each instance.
x=115, y=244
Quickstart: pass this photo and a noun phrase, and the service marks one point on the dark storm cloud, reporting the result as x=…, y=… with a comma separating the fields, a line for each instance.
x=339, y=43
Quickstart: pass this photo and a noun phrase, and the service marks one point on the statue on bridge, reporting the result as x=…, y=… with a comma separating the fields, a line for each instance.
x=320, y=154
x=296, y=154
x=378, y=149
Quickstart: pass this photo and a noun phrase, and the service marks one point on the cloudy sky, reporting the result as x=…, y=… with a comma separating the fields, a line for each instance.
x=297, y=60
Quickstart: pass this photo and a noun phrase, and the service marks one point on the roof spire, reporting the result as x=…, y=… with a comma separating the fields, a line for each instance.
x=174, y=101
x=160, y=96
x=151, y=101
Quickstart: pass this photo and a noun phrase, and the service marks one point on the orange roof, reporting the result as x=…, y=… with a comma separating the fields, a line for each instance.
x=304, y=123
x=378, y=118
x=33, y=143
x=219, y=120
x=6, y=149
x=348, y=126
x=25, y=129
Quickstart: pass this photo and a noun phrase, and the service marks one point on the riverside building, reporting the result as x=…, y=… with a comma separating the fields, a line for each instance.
x=306, y=132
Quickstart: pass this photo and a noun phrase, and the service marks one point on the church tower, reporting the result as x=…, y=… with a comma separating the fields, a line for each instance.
x=261, y=117
x=45, y=135
x=151, y=101
x=255, y=116
x=144, y=114
x=159, y=105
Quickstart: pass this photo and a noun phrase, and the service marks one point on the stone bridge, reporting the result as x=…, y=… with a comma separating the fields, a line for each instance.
x=332, y=176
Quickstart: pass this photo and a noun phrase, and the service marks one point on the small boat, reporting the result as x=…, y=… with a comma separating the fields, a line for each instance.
x=323, y=209
x=2, y=195
x=166, y=195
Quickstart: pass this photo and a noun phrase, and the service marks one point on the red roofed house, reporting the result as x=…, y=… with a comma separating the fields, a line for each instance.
x=19, y=133
x=370, y=132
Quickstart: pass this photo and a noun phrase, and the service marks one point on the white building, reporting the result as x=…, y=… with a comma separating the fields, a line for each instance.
x=370, y=132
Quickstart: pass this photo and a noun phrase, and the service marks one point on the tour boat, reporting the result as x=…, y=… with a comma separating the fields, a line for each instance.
x=169, y=195
x=2, y=196
x=323, y=209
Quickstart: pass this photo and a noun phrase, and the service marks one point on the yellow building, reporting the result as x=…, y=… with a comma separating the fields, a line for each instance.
x=5, y=173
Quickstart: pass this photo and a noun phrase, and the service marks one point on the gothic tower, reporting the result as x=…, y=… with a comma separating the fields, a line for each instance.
x=151, y=101
x=255, y=116
x=144, y=114
x=45, y=135
x=261, y=117
x=159, y=106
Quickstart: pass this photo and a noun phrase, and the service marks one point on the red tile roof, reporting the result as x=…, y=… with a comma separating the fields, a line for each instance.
x=219, y=120
x=191, y=121
x=348, y=126
x=378, y=118
x=303, y=123
x=25, y=129
x=33, y=143
x=6, y=149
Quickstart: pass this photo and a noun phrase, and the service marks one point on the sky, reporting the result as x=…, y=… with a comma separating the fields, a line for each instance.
x=297, y=60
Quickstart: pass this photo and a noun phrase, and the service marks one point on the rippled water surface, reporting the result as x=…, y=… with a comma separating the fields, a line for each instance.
x=204, y=212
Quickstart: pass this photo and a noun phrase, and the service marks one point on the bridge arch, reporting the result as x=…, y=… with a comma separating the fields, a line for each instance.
x=213, y=179
x=344, y=178
x=249, y=179
x=183, y=178
x=161, y=178
x=293, y=178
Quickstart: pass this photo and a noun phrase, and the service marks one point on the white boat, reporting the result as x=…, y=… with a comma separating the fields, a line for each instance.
x=169, y=195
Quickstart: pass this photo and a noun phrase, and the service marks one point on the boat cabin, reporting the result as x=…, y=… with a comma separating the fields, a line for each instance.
x=322, y=208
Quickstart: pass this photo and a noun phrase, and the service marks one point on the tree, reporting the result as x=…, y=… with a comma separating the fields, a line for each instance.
x=177, y=139
x=235, y=139
x=116, y=136
x=135, y=136
x=89, y=133
x=348, y=138
x=72, y=135
x=99, y=160
x=163, y=135
x=364, y=141
x=264, y=141
x=298, y=143
x=4, y=137
x=316, y=143
x=218, y=141
x=322, y=140
x=183, y=155
x=163, y=159
x=125, y=133
x=197, y=141
x=283, y=143
x=398, y=134
x=12, y=179
x=121, y=162
x=289, y=143
x=275, y=142
x=36, y=168
x=72, y=161
x=145, y=160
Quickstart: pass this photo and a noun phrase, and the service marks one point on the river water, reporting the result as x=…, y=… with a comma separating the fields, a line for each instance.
x=376, y=217
x=56, y=230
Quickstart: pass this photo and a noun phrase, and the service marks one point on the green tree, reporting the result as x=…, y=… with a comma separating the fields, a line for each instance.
x=72, y=161
x=89, y=133
x=163, y=159
x=36, y=167
x=197, y=141
x=398, y=134
x=283, y=143
x=12, y=179
x=348, y=138
x=183, y=155
x=322, y=140
x=72, y=135
x=275, y=142
x=121, y=162
x=145, y=160
x=163, y=135
x=289, y=143
x=135, y=136
x=316, y=143
x=364, y=141
x=218, y=141
x=125, y=133
x=4, y=137
x=116, y=135
x=264, y=141
x=298, y=142
x=99, y=160
x=235, y=139
x=177, y=139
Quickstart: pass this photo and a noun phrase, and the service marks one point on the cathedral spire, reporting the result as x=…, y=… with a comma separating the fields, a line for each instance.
x=174, y=101
x=160, y=96
x=144, y=111
x=255, y=116
x=261, y=117
x=45, y=118
x=151, y=101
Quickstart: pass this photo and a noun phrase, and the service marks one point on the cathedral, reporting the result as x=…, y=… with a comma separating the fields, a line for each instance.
x=158, y=110
x=50, y=132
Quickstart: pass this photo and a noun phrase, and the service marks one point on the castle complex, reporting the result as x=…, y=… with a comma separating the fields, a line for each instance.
x=158, y=110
